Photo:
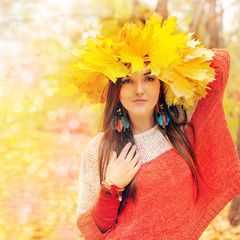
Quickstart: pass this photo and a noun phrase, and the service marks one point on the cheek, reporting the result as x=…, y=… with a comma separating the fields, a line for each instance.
x=155, y=98
x=122, y=97
x=155, y=91
x=125, y=94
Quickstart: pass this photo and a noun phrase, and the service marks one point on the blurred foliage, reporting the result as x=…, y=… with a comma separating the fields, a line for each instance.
x=45, y=123
x=232, y=93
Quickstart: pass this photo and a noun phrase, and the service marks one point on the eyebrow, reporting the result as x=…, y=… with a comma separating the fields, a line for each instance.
x=147, y=73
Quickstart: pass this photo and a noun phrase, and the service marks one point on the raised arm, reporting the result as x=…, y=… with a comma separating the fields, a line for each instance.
x=221, y=65
x=214, y=146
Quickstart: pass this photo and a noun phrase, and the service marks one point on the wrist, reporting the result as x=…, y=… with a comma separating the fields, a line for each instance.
x=108, y=188
x=108, y=183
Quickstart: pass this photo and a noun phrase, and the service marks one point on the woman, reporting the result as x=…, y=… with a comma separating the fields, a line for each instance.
x=164, y=164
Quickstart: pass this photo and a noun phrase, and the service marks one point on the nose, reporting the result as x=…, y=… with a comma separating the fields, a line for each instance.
x=139, y=88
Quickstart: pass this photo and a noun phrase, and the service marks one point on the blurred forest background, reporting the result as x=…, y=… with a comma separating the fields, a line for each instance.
x=45, y=123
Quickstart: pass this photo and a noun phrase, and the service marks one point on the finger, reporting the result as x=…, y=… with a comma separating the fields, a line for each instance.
x=114, y=155
x=135, y=160
x=124, y=151
x=131, y=153
x=137, y=167
x=113, y=158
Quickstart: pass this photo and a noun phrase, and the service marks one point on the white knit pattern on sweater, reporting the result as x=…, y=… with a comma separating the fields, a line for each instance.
x=150, y=144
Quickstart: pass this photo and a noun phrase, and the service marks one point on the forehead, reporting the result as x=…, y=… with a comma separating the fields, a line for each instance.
x=145, y=71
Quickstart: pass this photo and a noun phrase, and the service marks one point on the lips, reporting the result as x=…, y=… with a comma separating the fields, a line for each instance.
x=140, y=100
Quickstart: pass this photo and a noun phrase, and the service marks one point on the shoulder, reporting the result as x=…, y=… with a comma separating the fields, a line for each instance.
x=89, y=159
x=94, y=141
x=89, y=180
x=93, y=145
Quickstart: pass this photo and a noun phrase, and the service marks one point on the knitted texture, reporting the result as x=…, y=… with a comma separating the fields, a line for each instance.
x=150, y=144
x=105, y=212
x=165, y=206
x=89, y=182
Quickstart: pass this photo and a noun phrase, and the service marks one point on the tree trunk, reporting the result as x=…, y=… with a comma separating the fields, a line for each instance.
x=234, y=212
x=196, y=19
x=135, y=3
x=221, y=43
x=238, y=137
x=213, y=25
x=162, y=9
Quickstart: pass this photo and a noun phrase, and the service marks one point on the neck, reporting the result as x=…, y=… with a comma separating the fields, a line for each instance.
x=141, y=124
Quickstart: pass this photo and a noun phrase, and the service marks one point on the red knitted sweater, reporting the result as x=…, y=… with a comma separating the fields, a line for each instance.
x=165, y=206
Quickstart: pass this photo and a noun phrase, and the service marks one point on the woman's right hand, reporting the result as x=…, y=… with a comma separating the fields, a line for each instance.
x=122, y=169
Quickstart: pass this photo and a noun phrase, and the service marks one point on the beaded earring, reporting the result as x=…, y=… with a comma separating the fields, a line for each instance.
x=162, y=116
x=118, y=122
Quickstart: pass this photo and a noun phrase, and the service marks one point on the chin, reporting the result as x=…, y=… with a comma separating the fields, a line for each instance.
x=141, y=113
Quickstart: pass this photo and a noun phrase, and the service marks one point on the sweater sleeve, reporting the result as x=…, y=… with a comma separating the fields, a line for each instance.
x=88, y=183
x=221, y=65
x=95, y=218
x=105, y=212
x=99, y=220
x=88, y=228
x=214, y=147
x=214, y=97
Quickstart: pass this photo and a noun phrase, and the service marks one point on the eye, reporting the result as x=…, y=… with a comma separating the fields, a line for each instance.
x=126, y=81
x=149, y=79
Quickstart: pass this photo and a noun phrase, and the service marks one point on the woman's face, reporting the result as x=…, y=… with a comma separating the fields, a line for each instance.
x=139, y=94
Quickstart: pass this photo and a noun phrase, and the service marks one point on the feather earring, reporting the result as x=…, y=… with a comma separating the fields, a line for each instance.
x=162, y=116
x=119, y=123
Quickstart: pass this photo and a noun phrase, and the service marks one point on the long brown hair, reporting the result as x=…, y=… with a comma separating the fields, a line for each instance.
x=115, y=141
